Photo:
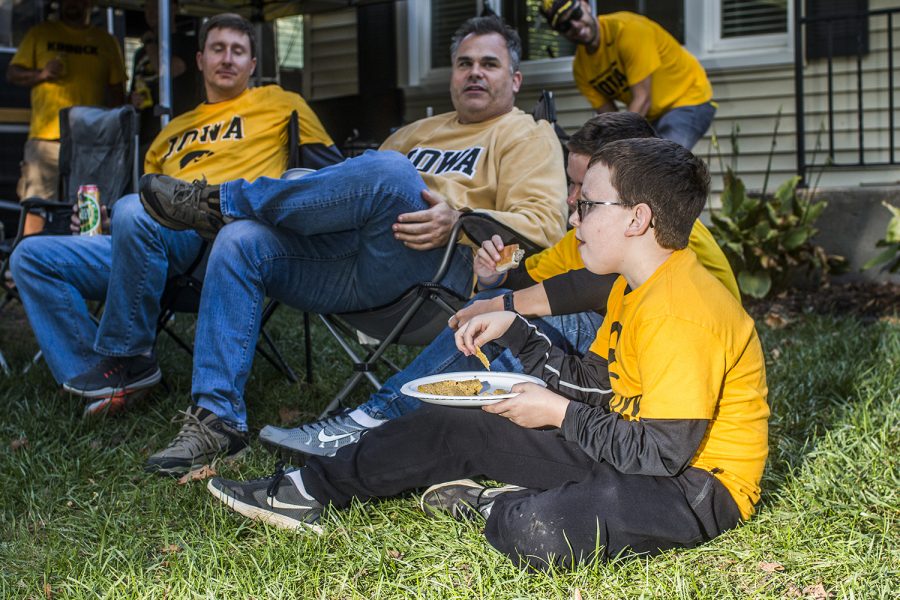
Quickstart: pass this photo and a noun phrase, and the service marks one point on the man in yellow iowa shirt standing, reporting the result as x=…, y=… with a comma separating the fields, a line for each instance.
x=67, y=62
x=627, y=57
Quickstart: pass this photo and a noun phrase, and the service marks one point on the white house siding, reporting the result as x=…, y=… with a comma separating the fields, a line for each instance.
x=330, y=55
x=751, y=98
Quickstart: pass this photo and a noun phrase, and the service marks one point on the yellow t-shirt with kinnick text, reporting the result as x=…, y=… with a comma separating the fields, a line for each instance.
x=92, y=61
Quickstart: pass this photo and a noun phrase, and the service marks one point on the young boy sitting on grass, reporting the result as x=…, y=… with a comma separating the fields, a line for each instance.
x=656, y=439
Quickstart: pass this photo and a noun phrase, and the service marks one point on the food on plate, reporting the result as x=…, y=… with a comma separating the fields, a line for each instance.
x=484, y=359
x=466, y=387
x=510, y=257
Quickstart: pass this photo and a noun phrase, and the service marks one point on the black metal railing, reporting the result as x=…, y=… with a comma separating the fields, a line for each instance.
x=859, y=48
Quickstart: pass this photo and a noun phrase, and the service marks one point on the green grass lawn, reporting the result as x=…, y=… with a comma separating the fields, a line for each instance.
x=80, y=519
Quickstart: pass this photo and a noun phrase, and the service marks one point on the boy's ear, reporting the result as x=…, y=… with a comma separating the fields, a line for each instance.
x=641, y=221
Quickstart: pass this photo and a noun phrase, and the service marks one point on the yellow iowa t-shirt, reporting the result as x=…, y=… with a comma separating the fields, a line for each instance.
x=681, y=347
x=564, y=256
x=632, y=48
x=243, y=137
x=92, y=62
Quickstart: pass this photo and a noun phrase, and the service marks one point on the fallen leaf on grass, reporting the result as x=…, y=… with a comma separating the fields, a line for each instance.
x=775, y=353
x=816, y=592
x=288, y=415
x=576, y=594
x=395, y=554
x=204, y=472
x=48, y=591
x=776, y=320
x=18, y=444
x=770, y=567
x=170, y=549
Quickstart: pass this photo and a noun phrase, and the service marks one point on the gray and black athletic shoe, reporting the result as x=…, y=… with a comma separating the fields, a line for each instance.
x=322, y=438
x=115, y=374
x=181, y=205
x=273, y=499
x=202, y=438
x=463, y=499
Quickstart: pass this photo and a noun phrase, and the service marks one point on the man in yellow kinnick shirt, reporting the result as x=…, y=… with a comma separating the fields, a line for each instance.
x=67, y=62
x=627, y=57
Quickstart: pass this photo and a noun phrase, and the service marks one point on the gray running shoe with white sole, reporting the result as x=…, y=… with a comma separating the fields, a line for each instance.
x=203, y=438
x=463, y=499
x=273, y=499
x=322, y=438
x=181, y=205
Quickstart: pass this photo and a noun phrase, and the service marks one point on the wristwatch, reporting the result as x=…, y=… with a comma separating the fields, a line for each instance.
x=508, y=302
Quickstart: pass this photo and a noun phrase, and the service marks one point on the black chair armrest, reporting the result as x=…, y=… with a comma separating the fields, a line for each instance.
x=13, y=207
x=41, y=203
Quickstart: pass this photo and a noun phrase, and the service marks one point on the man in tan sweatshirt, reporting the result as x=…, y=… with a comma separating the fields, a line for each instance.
x=357, y=235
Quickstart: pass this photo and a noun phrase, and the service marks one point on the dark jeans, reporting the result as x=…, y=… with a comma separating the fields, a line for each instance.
x=573, y=506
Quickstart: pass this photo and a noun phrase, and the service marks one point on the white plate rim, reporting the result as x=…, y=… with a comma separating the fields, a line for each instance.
x=410, y=388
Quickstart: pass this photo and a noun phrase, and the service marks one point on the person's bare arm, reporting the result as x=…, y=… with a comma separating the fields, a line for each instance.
x=531, y=302
x=19, y=75
x=640, y=97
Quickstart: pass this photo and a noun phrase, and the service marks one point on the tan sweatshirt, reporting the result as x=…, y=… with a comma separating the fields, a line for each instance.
x=510, y=167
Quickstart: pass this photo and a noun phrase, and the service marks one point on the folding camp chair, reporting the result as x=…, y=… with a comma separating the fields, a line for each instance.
x=182, y=292
x=416, y=317
x=97, y=146
x=421, y=313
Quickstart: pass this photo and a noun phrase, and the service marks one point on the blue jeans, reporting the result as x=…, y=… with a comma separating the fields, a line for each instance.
x=128, y=269
x=685, y=124
x=321, y=244
x=572, y=333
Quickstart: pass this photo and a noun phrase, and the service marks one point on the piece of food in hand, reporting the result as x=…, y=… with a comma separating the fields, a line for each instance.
x=510, y=257
x=484, y=359
x=466, y=387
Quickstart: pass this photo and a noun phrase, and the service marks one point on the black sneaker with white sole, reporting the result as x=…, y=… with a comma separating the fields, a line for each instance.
x=273, y=499
x=115, y=374
x=463, y=499
x=203, y=438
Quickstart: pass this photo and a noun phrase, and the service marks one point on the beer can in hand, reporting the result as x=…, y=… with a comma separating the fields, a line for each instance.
x=89, y=209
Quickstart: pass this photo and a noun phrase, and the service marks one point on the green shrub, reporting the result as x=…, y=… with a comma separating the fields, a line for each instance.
x=890, y=257
x=767, y=239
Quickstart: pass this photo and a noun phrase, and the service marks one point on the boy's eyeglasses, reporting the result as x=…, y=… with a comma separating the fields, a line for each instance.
x=583, y=206
x=565, y=26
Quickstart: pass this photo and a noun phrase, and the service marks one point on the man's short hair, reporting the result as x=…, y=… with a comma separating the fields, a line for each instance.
x=662, y=174
x=608, y=127
x=485, y=26
x=229, y=21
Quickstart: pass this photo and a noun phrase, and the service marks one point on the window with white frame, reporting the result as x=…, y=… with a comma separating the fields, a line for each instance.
x=739, y=33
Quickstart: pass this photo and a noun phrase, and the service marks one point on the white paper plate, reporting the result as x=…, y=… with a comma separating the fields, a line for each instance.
x=494, y=381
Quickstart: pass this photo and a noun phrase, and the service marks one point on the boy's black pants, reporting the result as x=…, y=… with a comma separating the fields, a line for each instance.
x=574, y=506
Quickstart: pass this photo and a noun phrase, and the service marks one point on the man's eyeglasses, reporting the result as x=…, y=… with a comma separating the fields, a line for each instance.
x=565, y=26
x=583, y=206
